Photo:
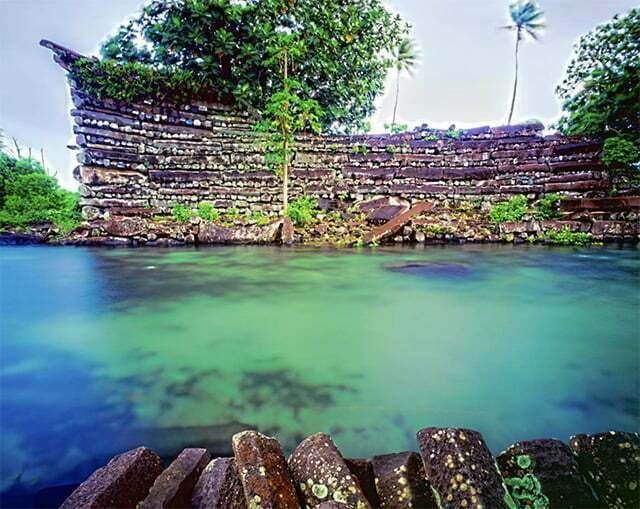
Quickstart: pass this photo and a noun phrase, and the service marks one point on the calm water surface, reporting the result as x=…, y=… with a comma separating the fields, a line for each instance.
x=103, y=350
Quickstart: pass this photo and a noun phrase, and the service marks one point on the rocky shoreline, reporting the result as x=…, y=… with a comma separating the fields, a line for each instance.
x=379, y=221
x=454, y=469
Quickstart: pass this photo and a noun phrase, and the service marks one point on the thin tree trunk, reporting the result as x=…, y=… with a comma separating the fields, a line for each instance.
x=395, y=106
x=285, y=168
x=515, y=82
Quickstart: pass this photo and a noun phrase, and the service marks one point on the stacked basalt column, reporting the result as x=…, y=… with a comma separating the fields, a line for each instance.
x=141, y=159
x=455, y=469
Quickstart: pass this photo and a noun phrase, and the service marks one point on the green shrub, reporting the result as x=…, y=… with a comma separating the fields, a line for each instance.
x=512, y=210
x=259, y=217
x=303, y=210
x=207, y=212
x=565, y=237
x=621, y=156
x=181, y=213
x=547, y=207
x=29, y=196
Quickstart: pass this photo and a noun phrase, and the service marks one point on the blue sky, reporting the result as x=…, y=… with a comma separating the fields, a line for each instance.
x=464, y=77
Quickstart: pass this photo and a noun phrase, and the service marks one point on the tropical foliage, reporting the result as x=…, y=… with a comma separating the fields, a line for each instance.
x=526, y=18
x=303, y=210
x=601, y=90
x=224, y=45
x=29, y=196
x=512, y=210
x=405, y=58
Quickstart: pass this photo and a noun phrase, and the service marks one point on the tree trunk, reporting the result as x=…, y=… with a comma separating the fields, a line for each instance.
x=515, y=82
x=395, y=106
x=285, y=146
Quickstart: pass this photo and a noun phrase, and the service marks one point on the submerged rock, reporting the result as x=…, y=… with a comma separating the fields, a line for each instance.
x=321, y=474
x=401, y=483
x=552, y=463
x=123, y=482
x=461, y=469
x=611, y=463
x=219, y=487
x=174, y=486
x=265, y=478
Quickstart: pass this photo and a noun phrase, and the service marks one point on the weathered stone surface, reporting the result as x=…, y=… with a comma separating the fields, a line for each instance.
x=552, y=463
x=321, y=474
x=287, y=231
x=363, y=470
x=461, y=469
x=263, y=470
x=387, y=213
x=611, y=464
x=211, y=233
x=401, y=482
x=123, y=482
x=390, y=228
x=121, y=226
x=174, y=486
x=219, y=487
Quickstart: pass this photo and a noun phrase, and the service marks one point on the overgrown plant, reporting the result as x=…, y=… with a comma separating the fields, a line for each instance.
x=547, y=208
x=512, y=210
x=225, y=44
x=207, y=212
x=565, y=237
x=303, y=210
x=287, y=112
x=181, y=213
x=28, y=196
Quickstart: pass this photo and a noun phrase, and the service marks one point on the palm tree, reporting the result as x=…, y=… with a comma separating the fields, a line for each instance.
x=526, y=17
x=405, y=58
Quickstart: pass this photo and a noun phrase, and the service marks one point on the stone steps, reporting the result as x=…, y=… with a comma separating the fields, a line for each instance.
x=455, y=469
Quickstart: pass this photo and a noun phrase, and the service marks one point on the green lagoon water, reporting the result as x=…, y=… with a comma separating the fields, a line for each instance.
x=103, y=350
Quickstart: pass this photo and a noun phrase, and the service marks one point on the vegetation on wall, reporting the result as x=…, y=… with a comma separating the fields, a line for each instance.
x=134, y=82
x=29, y=196
x=287, y=111
x=225, y=46
x=303, y=210
x=601, y=91
x=512, y=210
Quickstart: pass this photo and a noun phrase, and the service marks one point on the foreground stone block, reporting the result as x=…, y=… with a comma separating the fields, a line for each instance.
x=401, y=482
x=461, y=470
x=549, y=465
x=321, y=474
x=363, y=470
x=174, y=486
x=264, y=474
x=219, y=487
x=611, y=463
x=123, y=482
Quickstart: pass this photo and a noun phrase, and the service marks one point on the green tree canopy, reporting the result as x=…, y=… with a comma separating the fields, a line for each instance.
x=601, y=90
x=225, y=43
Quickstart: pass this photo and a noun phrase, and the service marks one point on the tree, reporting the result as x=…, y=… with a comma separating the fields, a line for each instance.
x=526, y=18
x=405, y=58
x=601, y=90
x=287, y=111
x=225, y=43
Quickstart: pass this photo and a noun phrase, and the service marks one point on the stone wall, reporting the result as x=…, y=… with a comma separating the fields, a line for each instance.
x=143, y=158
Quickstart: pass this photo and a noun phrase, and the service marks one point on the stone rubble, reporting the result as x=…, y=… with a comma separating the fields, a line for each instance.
x=455, y=470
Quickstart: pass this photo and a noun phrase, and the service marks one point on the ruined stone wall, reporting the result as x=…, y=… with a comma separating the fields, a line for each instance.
x=143, y=158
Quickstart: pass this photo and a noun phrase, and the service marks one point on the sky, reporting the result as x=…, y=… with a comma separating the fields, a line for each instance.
x=465, y=74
